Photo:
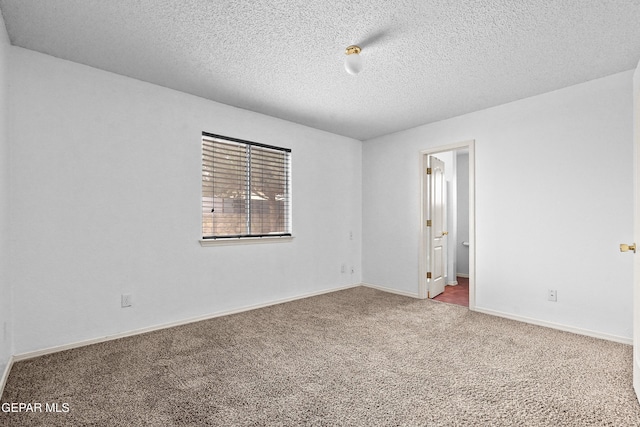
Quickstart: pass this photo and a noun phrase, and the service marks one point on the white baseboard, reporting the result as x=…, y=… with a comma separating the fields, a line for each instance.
x=454, y=283
x=5, y=375
x=462, y=275
x=391, y=290
x=559, y=326
x=56, y=349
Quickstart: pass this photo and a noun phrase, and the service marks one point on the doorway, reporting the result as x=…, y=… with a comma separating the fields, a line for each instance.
x=458, y=227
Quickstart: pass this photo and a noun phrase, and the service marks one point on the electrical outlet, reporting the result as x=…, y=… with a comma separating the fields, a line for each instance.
x=552, y=295
x=126, y=300
x=353, y=270
x=343, y=269
x=351, y=235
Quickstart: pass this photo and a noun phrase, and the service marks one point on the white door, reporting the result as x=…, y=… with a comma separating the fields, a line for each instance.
x=436, y=226
x=636, y=233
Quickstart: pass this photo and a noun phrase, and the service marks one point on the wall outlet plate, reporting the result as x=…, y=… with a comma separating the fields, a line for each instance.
x=552, y=295
x=126, y=300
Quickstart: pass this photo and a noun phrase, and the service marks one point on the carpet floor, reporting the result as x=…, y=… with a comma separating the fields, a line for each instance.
x=358, y=357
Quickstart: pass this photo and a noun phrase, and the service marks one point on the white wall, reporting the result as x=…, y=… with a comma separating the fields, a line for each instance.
x=462, y=180
x=6, y=324
x=106, y=200
x=553, y=201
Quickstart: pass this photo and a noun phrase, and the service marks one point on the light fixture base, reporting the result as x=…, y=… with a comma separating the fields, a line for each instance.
x=353, y=49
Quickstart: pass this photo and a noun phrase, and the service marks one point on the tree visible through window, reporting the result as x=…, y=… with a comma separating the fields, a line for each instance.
x=246, y=189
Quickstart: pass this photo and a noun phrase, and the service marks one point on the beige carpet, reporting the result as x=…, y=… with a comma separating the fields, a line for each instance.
x=358, y=357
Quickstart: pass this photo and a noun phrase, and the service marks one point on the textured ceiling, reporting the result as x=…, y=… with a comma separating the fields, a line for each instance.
x=423, y=60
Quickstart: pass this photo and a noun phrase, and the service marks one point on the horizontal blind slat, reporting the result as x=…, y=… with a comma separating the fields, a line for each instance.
x=236, y=201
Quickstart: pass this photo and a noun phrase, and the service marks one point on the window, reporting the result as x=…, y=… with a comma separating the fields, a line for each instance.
x=246, y=189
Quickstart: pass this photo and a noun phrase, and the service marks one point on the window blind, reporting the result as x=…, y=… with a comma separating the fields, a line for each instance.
x=246, y=189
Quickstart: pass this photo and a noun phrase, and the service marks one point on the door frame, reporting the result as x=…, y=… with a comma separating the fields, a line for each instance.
x=636, y=231
x=423, y=267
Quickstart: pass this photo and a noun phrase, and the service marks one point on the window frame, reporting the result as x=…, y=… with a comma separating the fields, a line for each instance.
x=287, y=235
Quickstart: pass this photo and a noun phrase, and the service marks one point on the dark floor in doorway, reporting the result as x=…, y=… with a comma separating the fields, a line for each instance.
x=456, y=294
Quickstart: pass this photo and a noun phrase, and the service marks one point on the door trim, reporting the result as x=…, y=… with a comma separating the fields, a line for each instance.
x=422, y=263
x=636, y=231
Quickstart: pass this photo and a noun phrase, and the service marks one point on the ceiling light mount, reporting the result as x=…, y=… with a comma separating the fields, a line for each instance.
x=353, y=49
x=353, y=61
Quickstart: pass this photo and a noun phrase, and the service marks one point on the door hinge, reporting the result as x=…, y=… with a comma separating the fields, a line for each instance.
x=428, y=171
x=429, y=275
x=428, y=223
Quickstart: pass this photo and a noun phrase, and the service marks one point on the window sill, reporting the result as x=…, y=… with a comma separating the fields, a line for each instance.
x=244, y=241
